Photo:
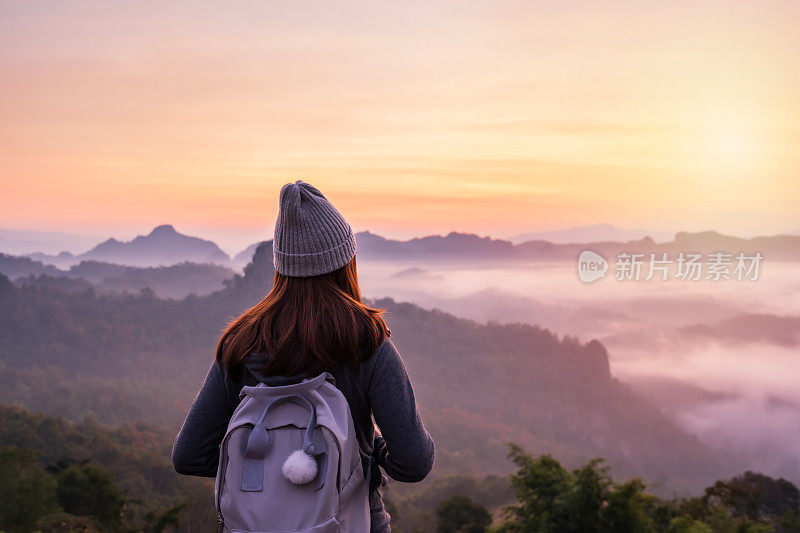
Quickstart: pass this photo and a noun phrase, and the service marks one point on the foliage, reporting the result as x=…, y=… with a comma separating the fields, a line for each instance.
x=64, y=477
x=413, y=507
x=90, y=490
x=551, y=498
x=60, y=476
x=686, y=524
x=754, y=495
x=459, y=514
x=66, y=523
x=27, y=491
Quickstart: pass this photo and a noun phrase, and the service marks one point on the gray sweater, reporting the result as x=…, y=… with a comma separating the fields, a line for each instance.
x=380, y=388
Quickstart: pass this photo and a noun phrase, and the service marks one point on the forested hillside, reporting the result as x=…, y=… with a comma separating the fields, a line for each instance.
x=174, y=281
x=88, y=477
x=139, y=357
x=59, y=476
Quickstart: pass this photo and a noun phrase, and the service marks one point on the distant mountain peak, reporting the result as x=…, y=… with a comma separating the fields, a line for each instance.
x=702, y=234
x=470, y=236
x=164, y=229
x=161, y=247
x=456, y=234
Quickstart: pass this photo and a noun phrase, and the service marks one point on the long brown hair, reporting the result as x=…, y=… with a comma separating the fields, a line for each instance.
x=306, y=325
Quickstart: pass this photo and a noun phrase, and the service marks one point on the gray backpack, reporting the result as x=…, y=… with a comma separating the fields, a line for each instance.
x=290, y=462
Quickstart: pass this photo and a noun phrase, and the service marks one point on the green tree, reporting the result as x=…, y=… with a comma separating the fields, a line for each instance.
x=588, y=494
x=629, y=508
x=787, y=522
x=27, y=491
x=541, y=486
x=90, y=490
x=686, y=524
x=161, y=521
x=586, y=500
x=459, y=514
x=754, y=495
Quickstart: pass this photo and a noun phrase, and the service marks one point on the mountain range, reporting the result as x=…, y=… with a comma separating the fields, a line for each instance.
x=165, y=246
x=465, y=246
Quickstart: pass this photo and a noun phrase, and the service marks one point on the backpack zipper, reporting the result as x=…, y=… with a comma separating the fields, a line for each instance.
x=224, y=464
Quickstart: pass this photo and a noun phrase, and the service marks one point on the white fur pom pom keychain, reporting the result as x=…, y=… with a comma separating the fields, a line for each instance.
x=299, y=468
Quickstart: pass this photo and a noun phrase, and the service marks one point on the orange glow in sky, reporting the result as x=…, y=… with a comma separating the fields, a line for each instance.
x=413, y=117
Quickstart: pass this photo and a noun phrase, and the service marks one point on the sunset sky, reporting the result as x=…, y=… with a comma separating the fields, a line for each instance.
x=413, y=117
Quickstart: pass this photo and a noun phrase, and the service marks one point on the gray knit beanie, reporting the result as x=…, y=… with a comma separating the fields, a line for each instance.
x=311, y=236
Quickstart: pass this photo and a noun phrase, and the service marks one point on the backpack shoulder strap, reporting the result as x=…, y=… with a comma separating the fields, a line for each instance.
x=295, y=388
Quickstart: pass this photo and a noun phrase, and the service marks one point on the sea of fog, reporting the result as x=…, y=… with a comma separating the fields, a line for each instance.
x=730, y=392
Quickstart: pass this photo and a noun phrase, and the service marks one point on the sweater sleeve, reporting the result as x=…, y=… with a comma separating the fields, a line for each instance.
x=404, y=447
x=195, y=451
